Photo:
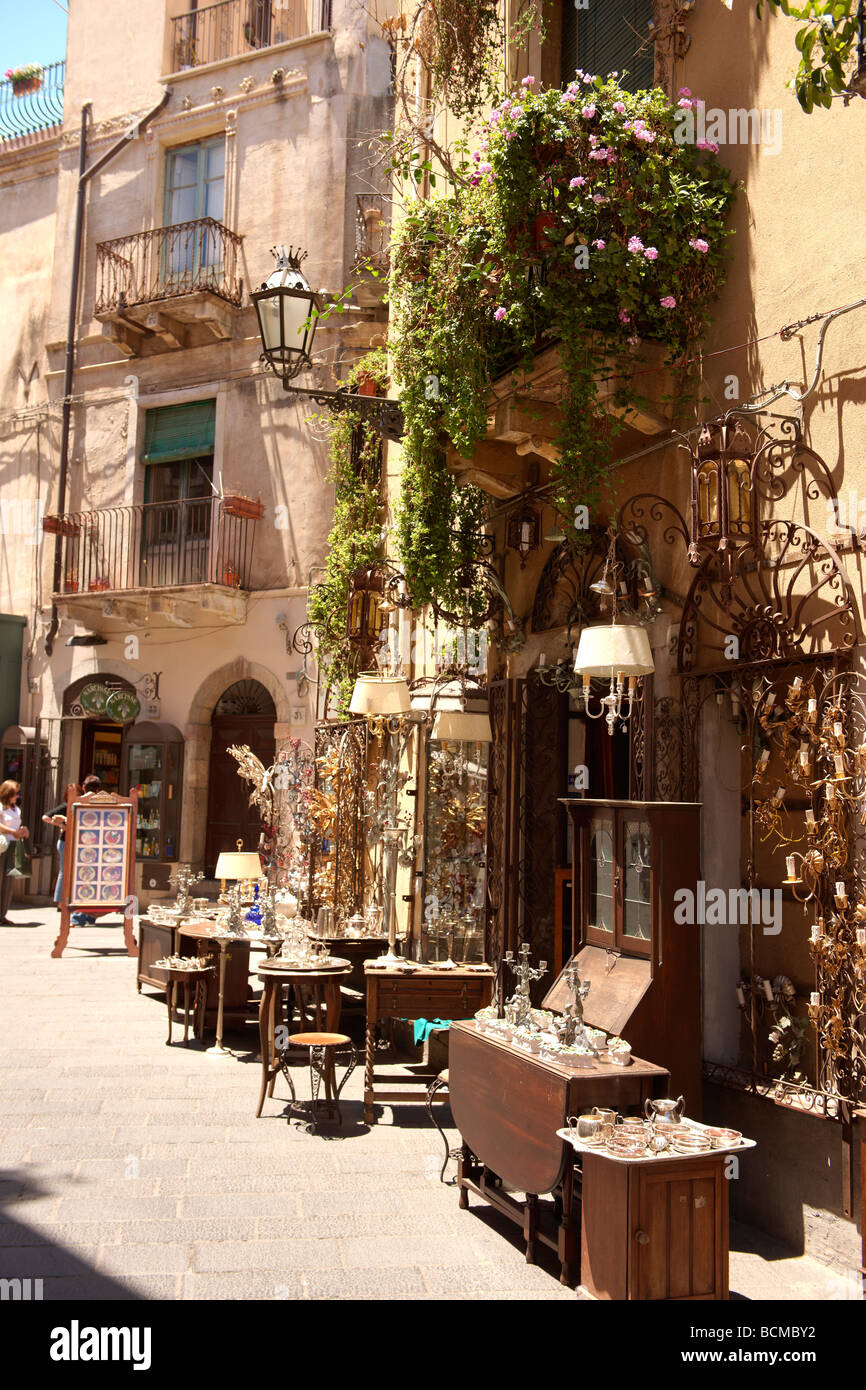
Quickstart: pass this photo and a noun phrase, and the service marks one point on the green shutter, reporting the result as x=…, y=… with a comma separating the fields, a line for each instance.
x=613, y=36
x=179, y=432
x=11, y=639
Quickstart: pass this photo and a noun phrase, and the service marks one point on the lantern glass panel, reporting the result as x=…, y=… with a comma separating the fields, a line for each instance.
x=708, y=498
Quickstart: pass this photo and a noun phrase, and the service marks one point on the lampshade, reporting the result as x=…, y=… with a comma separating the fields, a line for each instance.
x=612, y=649
x=232, y=864
x=380, y=695
x=461, y=726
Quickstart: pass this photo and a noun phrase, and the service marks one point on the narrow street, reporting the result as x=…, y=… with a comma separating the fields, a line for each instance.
x=131, y=1170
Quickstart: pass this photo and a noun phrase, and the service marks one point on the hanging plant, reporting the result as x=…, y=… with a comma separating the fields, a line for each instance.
x=583, y=223
x=355, y=538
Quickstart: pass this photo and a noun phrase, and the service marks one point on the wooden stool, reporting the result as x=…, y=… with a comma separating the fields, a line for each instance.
x=440, y=1083
x=323, y=1048
x=187, y=978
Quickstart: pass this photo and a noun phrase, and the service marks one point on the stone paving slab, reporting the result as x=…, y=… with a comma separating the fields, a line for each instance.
x=131, y=1170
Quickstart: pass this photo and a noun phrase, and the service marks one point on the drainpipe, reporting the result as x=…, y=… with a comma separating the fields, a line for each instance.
x=84, y=177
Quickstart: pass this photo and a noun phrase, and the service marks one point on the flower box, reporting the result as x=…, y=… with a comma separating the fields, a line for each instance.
x=231, y=578
x=98, y=585
x=60, y=526
x=70, y=586
x=235, y=504
x=28, y=78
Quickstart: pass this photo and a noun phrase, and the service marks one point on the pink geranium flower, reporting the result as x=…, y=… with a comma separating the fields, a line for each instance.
x=698, y=244
x=600, y=198
x=619, y=108
x=599, y=244
x=651, y=253
x=635, y=245
x=577, y=183
x=527, y=82
x=624, y=317
x=668, y=302
x=587, y=112
x=684, y=92
x=500, y=314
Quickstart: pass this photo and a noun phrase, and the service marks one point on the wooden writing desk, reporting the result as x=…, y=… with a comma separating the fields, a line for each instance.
x=508, y=1105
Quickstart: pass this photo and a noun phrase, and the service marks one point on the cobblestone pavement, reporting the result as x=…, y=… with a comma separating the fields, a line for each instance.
x=130, y=1169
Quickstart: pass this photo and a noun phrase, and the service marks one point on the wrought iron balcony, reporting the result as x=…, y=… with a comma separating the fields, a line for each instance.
x=32, y=106
x=236, y=28
x=157, y=284
x=185, y=561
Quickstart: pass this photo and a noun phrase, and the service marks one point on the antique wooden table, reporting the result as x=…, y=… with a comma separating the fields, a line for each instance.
x=508, y=1105
x=231, y=998
x=427, y=991
x=322, y=985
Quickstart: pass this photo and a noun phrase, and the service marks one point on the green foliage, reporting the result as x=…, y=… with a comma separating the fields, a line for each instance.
x=826, y=43
x=584, y=221
x=355, y=538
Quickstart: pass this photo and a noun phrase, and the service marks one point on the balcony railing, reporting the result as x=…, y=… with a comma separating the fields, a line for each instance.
x=236, y=28
x=166, y=263
x=30, y=107
x=155, y=545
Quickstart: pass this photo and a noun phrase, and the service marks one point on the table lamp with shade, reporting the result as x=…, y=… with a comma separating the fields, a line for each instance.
x=237, y=864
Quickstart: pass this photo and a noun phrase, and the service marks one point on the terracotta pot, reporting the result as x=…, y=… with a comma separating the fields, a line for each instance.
x=23, y=85
x=70, y=586
x=542, y=224
x=367, y=384
x=234, y=505
x=59, y=526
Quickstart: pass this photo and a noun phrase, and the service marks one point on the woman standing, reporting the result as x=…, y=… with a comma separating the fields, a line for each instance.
x=11, y=830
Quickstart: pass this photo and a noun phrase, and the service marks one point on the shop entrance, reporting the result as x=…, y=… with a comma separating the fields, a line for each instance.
x=244, y=714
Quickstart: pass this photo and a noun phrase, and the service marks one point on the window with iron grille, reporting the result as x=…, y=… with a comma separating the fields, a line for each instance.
x=608, y=36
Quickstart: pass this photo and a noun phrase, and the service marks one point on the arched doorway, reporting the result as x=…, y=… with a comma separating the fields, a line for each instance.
x=244, y=714
x=98, y=708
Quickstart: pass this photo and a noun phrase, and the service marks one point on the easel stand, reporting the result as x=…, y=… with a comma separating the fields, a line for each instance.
x=105, y=847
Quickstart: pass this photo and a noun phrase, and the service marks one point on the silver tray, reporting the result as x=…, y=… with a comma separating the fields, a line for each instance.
x=664, y=1157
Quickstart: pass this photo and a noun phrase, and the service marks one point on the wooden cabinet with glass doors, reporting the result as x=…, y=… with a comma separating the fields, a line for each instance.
x=630, y=859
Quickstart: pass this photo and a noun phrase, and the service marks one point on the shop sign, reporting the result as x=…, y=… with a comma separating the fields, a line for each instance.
x=122, y=706
x=94, y=698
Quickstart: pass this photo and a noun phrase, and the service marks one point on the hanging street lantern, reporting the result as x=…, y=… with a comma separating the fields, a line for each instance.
x=287, y=311
x=365, y=615
x=723, y=498
x=523, y=532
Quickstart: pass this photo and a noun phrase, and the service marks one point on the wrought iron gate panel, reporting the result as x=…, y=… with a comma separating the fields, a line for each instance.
x=542, y=733
x=349, y=742
x=641, y=745
x=500, y=835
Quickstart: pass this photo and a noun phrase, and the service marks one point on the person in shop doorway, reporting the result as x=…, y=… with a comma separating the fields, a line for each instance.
x=57, y=817
x=11, y=830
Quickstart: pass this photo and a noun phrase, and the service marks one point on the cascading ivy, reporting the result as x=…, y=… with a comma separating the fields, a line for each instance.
x=585, y=221
x=355, y=537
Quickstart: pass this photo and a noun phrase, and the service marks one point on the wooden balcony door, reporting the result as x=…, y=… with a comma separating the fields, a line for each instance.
x=178, y=521
x=194, y=189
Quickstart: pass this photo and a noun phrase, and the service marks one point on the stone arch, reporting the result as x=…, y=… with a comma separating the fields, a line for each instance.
x=197, y=733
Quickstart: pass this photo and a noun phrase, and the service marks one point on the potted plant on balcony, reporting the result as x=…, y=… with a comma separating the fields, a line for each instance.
x=60, y=525
x=70, y=583
x=27, y=78
x=231, y=578
x=238, y=504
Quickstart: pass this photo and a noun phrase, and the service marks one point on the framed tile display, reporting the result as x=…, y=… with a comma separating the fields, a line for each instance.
x=99, y=863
